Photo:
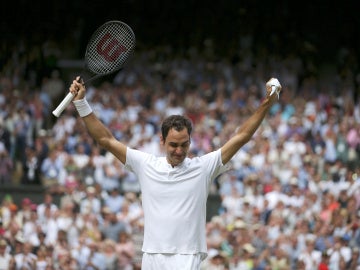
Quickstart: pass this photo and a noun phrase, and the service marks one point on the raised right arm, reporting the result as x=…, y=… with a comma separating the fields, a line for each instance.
x=97, y=130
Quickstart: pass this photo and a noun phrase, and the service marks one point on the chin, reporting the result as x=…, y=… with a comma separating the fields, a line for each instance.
x=176, y=161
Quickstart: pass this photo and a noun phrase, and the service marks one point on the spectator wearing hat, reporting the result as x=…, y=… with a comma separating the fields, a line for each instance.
x=241, y=232
x=279, y=259
x=214, y=261
x=7, y=261
x=215, y=232
x=91, y=203
x=244, y=259
x=108, y=249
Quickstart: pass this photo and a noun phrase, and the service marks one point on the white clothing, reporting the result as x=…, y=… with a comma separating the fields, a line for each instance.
x=81, y=160
x=156, y=261
x=274, y=197
x=50, y=228
x=41, y=210
x=174, y=200
x=5, y=261
x=24, y=262
x=90, y=205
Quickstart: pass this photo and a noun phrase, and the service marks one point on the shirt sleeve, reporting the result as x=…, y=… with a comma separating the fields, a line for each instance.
x=135, y=159
x=213, y=164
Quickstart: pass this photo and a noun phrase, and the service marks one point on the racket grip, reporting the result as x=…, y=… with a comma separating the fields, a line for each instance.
x=64, y=103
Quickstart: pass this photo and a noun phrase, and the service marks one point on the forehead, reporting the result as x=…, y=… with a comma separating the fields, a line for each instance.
x=177, y=136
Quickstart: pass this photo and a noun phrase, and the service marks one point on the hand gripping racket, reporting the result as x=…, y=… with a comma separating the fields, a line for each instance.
x=275, y=86
x=107, y=51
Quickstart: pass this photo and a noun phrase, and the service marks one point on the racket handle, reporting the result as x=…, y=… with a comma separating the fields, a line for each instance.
x=64, y=103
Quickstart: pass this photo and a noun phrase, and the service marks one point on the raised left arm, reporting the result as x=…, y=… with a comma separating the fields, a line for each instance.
x=247, y=129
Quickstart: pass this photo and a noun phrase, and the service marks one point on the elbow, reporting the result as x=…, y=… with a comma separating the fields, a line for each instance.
x=246, y=138
x=104, y=143
x=243, y=135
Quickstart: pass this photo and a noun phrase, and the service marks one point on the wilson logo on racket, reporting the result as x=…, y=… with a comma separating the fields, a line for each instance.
x=110, y=48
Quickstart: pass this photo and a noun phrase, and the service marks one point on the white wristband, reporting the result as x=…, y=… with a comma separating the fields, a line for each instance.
x=83, y=107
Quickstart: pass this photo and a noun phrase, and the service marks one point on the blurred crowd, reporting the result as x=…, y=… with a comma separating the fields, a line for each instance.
x=289, y=201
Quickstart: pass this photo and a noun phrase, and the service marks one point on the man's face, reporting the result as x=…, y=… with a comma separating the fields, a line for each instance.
x=176, y=145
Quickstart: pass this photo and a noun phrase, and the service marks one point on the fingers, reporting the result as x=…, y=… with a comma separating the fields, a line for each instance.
x=77, y=88
x=273, y=82
x=273, y=86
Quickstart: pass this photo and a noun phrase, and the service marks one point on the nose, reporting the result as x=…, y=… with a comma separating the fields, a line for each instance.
x=178, y=150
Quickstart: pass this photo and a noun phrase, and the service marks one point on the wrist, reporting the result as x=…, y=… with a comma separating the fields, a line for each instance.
x=83, y=107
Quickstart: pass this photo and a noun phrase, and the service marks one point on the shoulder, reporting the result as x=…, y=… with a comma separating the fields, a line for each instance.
x=214, y=155
x=138, y=159
x=211, y=159
x=134, y=153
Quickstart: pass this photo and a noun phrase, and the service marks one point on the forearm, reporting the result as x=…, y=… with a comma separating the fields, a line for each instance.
x=97, y=130
x=95, y=127
x=245, y=132
x=249, y=127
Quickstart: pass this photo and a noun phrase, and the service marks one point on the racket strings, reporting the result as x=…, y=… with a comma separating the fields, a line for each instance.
x=109, y=48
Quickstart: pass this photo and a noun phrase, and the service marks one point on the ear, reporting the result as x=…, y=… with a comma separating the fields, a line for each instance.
x=162, y=141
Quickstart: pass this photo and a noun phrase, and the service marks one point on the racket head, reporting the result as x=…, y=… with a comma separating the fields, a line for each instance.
x=109, y=47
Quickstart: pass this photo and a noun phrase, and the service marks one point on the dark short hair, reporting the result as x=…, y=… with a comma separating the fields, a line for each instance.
x=177, y=122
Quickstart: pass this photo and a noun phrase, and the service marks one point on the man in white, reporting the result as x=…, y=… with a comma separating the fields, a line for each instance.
x=174, y=188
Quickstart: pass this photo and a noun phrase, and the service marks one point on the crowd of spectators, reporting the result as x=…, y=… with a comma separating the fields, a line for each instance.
x=290, y=200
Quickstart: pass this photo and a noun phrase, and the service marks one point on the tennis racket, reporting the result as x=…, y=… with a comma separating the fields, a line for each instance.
x=107, y=51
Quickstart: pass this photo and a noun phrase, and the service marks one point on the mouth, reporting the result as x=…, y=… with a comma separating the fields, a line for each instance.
x=176, y=159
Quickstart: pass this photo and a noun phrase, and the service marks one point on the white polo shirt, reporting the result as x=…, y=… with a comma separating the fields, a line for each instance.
x=174, y=200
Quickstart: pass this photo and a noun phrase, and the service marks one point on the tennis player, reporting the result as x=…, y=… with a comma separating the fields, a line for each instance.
x=174, y=187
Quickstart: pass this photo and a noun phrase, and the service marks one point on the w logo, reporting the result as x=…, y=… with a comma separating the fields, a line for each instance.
x=110, y=48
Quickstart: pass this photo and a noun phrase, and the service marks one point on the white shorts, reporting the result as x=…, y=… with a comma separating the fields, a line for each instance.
x=160, y=261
